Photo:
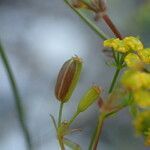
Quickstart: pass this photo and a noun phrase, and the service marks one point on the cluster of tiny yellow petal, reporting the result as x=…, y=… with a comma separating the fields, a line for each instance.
x=133, y=43
x=145, y=55
x=137, y=57
x=138, y=60
x=142, y=125
x=117, y=45
x=133, y=61
x=136, y=80
x=142, y=97
x=138, y=83
x=127, y=44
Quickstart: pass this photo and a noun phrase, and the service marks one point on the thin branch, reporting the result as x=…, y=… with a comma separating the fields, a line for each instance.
x=87, y=21
x=18, y=103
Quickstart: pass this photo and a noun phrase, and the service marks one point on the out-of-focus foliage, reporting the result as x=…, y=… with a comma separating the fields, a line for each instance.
x=143, y=17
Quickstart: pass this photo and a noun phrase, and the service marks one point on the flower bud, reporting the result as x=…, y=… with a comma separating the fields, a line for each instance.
x=89, y=98
x=68, y=78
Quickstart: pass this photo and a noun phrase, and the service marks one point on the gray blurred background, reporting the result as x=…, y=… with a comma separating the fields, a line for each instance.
x=38, y=36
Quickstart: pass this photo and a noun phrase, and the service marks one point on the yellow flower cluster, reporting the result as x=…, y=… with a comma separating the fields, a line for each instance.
x=137, y=57
x=117, y=45
x=142, y=125
x=138, y=60
x=134, y=79
x=127, y=44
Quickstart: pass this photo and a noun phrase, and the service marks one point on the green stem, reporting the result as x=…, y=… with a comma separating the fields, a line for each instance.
x=119, y=67
x=117, y=60
x=115, y=56
x=99, y=124
x=60, y=139
x=96, y=137
x=97, y=131
x=60, y=113
x=61, y=144
x=118, y=57
x=73, y=117
x=19, y=106
x=92, y=138
x=114, y=80
x=87, y=21
x=116, y=110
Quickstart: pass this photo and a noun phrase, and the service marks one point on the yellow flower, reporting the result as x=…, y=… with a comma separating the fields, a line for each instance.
x=145, y=79
x=145, y=55
x=117, y=45
x=133, y=43
x=134, y=80
x=127, y=44
x=142, y=125
x=142, y=98
x=133, y=61
x=129, y=80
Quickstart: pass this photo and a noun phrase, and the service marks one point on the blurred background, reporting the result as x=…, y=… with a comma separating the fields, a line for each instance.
x=38, y=36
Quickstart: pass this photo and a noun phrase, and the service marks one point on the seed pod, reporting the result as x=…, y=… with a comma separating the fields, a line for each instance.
x=99, y=5
x=102, y=6
x=89, y=98
x=68, y=78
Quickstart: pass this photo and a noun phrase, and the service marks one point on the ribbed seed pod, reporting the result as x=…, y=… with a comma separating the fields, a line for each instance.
x=68, y=78
x=89, y=98
x=102, y=6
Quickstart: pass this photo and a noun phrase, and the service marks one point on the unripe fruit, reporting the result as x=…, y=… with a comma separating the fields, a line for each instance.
x=89, y=98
